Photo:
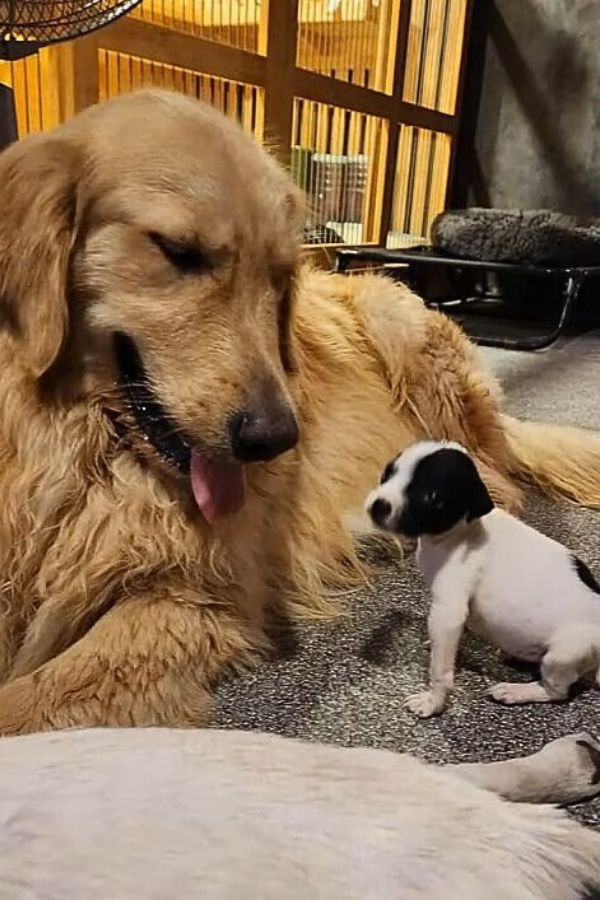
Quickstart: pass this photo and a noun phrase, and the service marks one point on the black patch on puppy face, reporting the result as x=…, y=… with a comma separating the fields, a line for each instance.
x=445, y=489
x=388, y=471
x=584, y=574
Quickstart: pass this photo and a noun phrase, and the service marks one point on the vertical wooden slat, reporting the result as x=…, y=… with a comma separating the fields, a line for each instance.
x=32, y=92
x=124, y=73
x=20, y=88
x=387, y=47
x=49, y=73
x=374, y=197
x=402, y=175
x=85, y=72
x=419, y=180
x=279, y=75
x=262, y=36
x=433, y=54
x=459, y=18
x=398, y=88
x=65, y=78
x=414, y=37
x=112, y=68
x=440, y=179
x=459, y=92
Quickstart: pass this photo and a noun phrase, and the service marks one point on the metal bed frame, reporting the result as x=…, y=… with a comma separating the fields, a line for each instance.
x=418, y=259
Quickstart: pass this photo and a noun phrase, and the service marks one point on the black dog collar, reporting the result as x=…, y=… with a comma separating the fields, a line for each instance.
x=155, y=424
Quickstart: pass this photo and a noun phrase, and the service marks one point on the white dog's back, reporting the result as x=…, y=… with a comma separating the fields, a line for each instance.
x=169, y=815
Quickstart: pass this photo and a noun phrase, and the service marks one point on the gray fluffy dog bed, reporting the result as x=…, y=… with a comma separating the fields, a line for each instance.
x=535, y=237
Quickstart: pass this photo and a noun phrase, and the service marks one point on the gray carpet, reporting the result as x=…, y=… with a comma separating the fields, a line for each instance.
x=345, y=681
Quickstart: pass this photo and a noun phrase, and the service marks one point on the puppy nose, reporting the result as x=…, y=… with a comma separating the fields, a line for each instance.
x=380, y=511
x=260, y=437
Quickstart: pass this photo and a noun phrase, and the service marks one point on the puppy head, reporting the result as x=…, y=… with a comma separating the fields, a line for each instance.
x=154, y=217
x=427, y=490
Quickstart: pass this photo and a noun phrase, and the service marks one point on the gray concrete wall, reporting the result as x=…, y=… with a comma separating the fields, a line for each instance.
x=530, y=133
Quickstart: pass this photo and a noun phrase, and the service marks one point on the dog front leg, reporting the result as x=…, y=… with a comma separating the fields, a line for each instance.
x=564, y=771
x=446, y=623
x=151, y=660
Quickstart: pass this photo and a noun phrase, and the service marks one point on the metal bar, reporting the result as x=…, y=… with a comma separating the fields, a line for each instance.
x=541, y=342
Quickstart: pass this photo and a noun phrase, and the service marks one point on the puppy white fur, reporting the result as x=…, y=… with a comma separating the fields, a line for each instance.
x=521, y=590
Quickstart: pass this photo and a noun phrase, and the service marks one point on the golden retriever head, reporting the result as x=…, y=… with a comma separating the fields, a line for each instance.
x=151, y=234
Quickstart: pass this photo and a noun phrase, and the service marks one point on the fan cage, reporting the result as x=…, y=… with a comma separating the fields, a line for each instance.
x=27, y=26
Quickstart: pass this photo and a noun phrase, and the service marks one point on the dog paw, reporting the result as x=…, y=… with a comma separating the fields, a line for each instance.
x=424, y=704
x=503, y=693
x=510, y=694
x=574, y=762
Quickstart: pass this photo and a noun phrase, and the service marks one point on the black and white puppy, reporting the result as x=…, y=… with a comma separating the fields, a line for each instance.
x=521, y=590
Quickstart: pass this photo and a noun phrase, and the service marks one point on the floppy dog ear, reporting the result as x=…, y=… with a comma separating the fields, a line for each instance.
x=479, y=502
x=37, y=234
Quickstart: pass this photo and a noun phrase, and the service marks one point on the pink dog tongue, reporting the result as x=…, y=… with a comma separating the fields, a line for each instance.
x=218, y=487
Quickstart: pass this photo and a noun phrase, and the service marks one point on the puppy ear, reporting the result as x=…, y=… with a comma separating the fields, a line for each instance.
x=479, y=502
x=37, y=233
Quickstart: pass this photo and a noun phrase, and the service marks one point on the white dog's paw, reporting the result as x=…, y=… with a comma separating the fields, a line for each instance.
x=425, y=704
x=574, y=763
x=504, y=692
x=511, y=694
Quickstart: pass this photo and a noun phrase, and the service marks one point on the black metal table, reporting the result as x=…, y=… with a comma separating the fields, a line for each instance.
x=423, y=259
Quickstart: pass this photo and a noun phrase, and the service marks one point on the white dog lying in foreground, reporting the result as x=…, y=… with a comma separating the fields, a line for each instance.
x=514, y=586
x=213, y=815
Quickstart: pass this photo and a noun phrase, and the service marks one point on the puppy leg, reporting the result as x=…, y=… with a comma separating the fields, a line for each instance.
x=570, y=654
x=565, y=771
x=446, y=623
x=149, y=661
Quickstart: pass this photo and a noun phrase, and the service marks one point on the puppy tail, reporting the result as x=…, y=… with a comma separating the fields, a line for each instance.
x=560, y=460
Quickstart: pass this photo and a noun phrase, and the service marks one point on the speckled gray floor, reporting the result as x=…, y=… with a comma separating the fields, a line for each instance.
x=344, y=682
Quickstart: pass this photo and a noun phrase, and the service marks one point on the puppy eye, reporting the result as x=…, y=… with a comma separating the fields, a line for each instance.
x=387, y=472
x=185, y=257
x=433, y=499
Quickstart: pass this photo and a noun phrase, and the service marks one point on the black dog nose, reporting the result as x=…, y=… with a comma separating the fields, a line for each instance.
x=380, y=511
x=258, y=438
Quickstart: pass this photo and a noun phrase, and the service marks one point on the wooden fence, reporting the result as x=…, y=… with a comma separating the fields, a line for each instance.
x=360, y=97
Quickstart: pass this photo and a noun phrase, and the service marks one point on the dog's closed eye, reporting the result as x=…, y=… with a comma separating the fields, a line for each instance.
x=185, y=256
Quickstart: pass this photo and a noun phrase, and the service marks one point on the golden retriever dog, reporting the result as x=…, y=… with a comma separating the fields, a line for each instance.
x=188, y=417
x=176, y=813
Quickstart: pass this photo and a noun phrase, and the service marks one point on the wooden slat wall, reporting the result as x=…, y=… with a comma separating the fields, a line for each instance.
x=420, y=189
x=235, y=23
x=352, y=41
x=360, y=96
x=35, y=81
x=435, y=47
x=121, y=72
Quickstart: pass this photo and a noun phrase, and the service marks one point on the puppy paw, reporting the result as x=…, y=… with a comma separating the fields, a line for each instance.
x=573, y=761
x=425, y=704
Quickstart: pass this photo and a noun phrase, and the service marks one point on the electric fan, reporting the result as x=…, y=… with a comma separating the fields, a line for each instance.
x=25, y=27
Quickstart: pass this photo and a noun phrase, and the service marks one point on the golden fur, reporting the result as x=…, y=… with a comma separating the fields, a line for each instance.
x=120, y=604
